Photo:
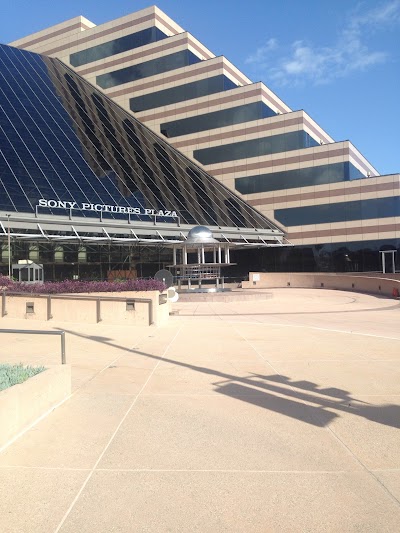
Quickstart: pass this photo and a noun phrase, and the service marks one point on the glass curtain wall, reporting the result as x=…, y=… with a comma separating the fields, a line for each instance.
x=61, y=139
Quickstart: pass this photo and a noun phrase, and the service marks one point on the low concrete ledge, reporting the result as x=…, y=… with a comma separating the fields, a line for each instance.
x=316, y=280
x=23, y=404
x=136, y=308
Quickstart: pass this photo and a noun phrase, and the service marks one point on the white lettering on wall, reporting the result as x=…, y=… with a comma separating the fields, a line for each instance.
x=103, y=208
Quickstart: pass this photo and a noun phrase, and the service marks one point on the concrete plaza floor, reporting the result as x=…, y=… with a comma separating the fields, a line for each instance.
x=277, y=415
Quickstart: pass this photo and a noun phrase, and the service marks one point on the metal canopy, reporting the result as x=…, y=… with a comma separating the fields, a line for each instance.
x=62, y=230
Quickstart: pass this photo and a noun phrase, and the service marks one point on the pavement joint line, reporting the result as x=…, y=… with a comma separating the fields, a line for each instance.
x=368, y=470
x=388, y=394
x=183, y=470
x=350, y=332
x=333, y=434
x=305, y=326
x=34, y=423
x=62, y=468
x=92, y=470
x=223, y=471
x=385, y=469
x=361, y=360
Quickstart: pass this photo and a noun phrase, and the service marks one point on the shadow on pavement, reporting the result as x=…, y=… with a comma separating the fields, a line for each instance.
x=303, y=400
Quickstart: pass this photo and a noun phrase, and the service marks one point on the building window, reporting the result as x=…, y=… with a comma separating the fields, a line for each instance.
x=339, y=212
x=181, y=93
x=285, y=142
x=117, y=46
x=217, y=119
x=301, y=177
x=146, y=69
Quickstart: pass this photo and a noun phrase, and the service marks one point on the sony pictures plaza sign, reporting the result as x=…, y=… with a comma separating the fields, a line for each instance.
x=103, y=208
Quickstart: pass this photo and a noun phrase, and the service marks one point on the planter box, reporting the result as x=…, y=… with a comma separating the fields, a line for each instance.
x=23, y=404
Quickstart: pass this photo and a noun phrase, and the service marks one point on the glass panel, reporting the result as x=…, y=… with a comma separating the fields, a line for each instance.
x=354, y=172
x=301, y=177
x=339, y=212
x=116, y=46
x=217, y=119
x=146, y=69
x=66, y=149
x=256, y=147
x=181, y=93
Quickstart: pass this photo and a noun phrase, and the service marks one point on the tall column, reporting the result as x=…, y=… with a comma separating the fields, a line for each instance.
x=6, y=255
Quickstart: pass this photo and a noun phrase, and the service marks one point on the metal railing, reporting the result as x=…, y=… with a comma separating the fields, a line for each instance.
x=42, y=332
x=97, y=299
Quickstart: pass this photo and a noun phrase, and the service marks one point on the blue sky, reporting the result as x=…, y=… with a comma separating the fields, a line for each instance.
x=339, y=61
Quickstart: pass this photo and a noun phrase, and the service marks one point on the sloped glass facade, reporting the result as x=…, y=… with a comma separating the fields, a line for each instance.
x=64, y=141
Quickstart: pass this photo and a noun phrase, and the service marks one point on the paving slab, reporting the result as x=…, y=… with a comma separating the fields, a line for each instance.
x=35, y=500
x=391, y=481
x=232, y=431
x=316, y=344
x=118, y=379
x=72, y=436
x=357, y=377
x=188, y=377
x=370, y=428
x=238, y=502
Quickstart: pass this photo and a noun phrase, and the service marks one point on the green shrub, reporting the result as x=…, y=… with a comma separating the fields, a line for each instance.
x=13, y=374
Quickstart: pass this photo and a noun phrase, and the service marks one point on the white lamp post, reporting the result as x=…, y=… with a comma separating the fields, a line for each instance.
x=9, y=246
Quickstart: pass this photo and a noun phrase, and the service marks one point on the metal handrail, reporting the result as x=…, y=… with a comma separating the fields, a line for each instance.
x=42, y=332
x=96, y=299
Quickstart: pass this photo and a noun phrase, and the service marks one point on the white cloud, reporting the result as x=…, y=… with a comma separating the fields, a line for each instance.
x=305, y=62
x=382, y=14
x=262, y=53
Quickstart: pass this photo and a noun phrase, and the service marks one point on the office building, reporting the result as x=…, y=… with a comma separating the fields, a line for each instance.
x=334, y=207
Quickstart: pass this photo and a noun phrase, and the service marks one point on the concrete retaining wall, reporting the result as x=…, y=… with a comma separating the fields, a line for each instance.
x=346, y=282
x=102, y=307
x=23, y=404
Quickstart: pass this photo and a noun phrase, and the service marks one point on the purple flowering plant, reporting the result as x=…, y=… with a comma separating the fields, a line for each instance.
x=73, y=286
